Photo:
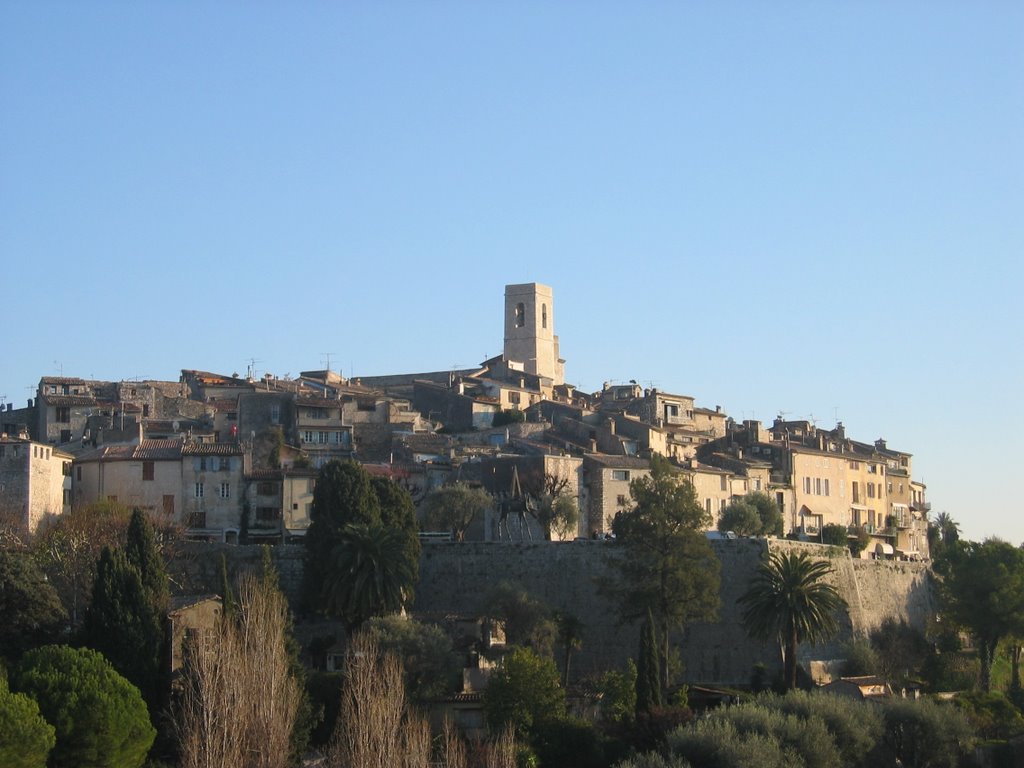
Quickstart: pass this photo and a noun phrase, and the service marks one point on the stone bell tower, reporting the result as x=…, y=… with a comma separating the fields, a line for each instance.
x=530, y=338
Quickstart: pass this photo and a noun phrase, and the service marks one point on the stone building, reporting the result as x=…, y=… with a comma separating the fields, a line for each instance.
x=35, y=482
x=530, y=338
x=196, y=485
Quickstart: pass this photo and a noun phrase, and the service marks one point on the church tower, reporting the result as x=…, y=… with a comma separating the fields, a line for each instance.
x=530, y=339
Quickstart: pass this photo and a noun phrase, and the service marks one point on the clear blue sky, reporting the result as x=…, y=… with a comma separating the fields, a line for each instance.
x=814, y=208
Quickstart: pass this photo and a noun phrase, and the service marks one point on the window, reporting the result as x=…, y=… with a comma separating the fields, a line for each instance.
x=620, y=474
x=78, y=474
x=514, y=398
x=757, y=483
x=826, y=486
x=275, y=414
x=265, y=488
x=707, y=506
x=871, y=490
x=268, y=513
x=856, y=492
x=225, y=490
x=622, y=500
x=723, y=481
x=817, y=486
x=202, y=464
x=722, y=505
x=63, y=415
x=807, y=485
x=65, y=435
x=543, y=315
x=225, y=464
x=199, y=490
x=65, y=468
x=520, y=315
x=147, y=470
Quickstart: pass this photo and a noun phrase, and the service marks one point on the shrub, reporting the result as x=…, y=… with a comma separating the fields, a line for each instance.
x=717, y=743
x=922, y=734
x=807, y=736
x=992, y=715
x=856, y=729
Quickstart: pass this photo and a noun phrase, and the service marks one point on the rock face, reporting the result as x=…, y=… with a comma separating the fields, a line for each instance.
x=455, y=578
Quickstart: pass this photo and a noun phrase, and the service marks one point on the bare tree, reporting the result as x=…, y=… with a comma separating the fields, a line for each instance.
x=376, y=727
x=240, y=700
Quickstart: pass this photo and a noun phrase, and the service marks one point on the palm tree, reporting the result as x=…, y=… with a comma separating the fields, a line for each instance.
x=949, y=528
x=789, y=599
x=368, y=574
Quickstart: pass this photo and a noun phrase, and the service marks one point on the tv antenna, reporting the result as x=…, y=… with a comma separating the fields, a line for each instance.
x=783, y=414
x=251, y=368
x=327, y=356
x=60, y=368
x=835, y=411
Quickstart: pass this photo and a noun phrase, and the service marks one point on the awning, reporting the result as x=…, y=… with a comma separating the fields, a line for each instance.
x=881, y=548
x=860, y=507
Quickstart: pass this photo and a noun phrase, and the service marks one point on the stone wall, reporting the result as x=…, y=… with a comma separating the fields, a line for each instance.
x=456, y=578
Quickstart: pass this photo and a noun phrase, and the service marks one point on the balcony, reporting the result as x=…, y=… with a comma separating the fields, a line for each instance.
x=921, y=506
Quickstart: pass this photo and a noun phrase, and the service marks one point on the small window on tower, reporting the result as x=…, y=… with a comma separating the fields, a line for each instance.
x=543, y=315
x=520, y=315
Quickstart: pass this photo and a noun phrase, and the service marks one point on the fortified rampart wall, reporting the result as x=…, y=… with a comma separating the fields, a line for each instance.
x=455, y=578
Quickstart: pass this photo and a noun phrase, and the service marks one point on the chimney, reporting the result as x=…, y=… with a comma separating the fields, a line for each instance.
x=880, y=444
x=593, y=445
x=718, y=409
x=611, y=425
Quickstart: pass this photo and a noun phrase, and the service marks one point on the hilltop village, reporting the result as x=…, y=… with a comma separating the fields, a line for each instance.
x=228, y=457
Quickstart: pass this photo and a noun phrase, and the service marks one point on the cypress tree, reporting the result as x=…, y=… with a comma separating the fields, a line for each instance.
x=227, y=594
x=141, y=550
x=124, y=626
x=648, y=676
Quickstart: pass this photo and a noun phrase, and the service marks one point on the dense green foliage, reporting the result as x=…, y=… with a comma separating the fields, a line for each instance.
x=362, y=547
x=805, y=730
x=756, y=514
x=368, y=574
x=99, y=717
x=31, y=613
x=141, y=549
x=125, y=626
x=430, y=665
x=528, y=622
x=523, y=693
x=454, y=508
x=981, y=588
x=835, y=534
x=790, y=600
x=663, y=560
x=25, y=737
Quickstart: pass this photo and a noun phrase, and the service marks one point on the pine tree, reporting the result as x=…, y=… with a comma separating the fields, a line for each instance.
x=648, y=676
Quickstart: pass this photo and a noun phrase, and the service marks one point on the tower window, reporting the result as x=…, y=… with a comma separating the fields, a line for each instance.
x=520, y=315
x=543, y=315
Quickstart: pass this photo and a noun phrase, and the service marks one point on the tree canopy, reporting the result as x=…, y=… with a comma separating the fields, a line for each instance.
x=31, y=613
x=362, y=536
x=790, y=599
x=454, y=507
x=99, y=717
x=982, y=590
x=662, y=557
x=124, y=625
x=756, y=514
x=523, y=693
x=25, y=737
